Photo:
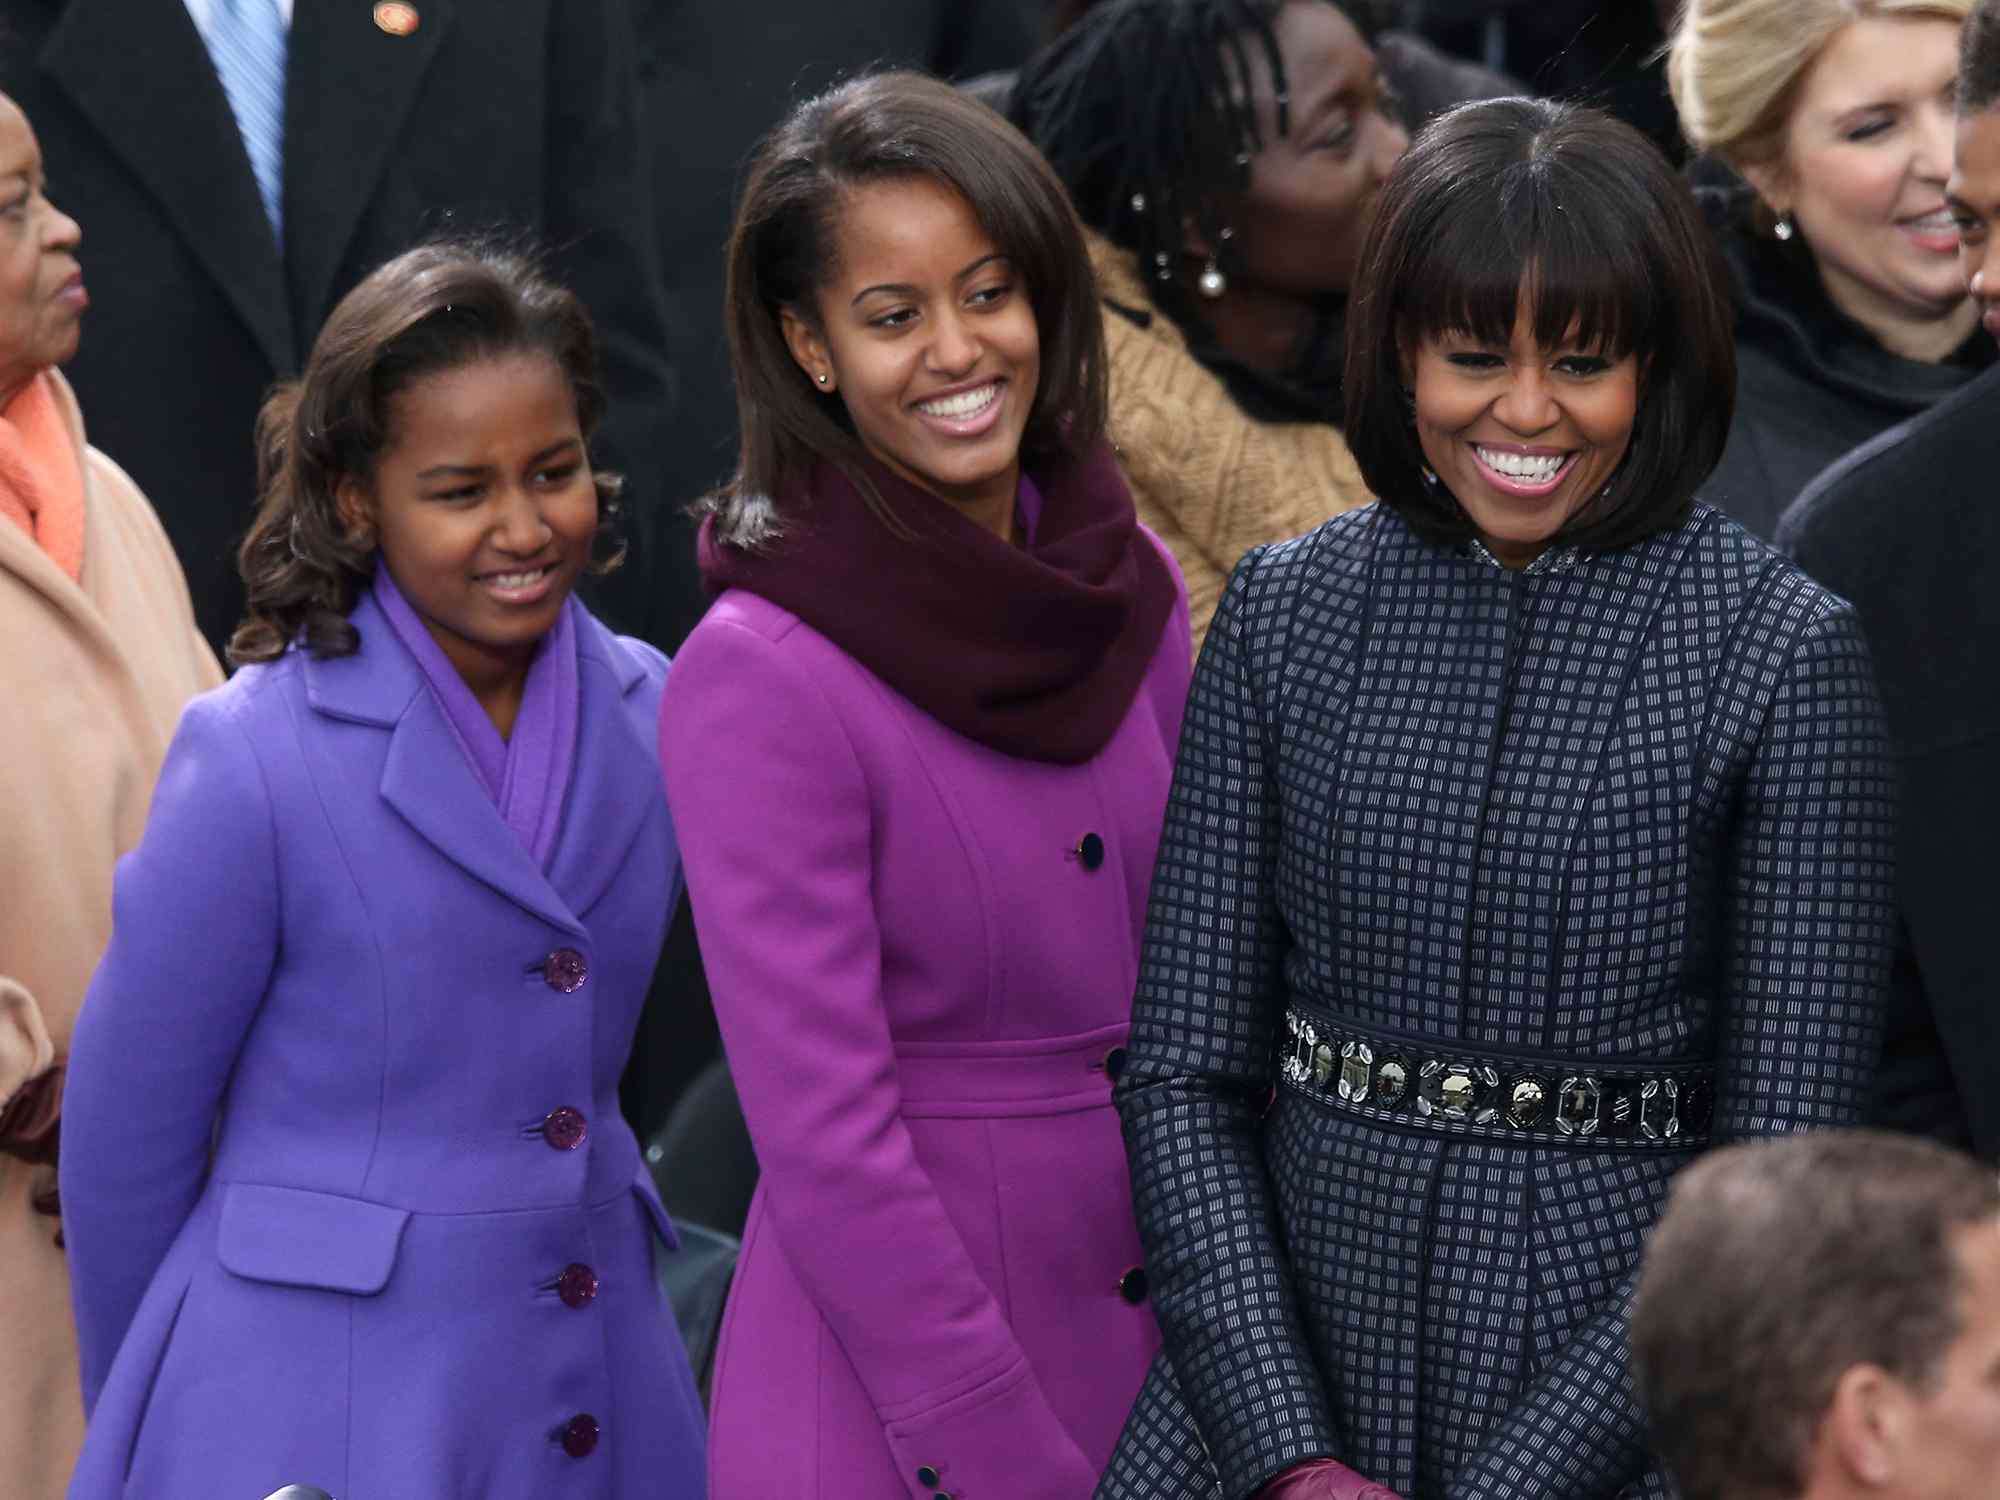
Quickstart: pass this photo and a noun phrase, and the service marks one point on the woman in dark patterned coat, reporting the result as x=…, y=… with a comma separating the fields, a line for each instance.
x=1530, y=832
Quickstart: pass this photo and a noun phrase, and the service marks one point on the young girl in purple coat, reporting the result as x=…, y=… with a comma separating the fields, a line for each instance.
x=348, y=1197
x=938, y=699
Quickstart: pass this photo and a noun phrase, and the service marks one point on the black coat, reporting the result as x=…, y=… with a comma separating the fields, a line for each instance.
x=1811, y=384
x=1907, y=528
x=1612, y=808
x=493, y=112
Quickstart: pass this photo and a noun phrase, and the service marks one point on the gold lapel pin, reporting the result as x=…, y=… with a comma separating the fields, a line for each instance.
x=396, y=17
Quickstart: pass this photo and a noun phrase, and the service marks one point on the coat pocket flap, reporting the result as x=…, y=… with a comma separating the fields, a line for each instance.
x=649, y=1195
x=294, y=1237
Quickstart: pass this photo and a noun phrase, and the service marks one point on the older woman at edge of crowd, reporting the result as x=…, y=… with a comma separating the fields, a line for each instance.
x=1225, y=156
x=1532, y=830
x=100, y=654
x=1834, y=120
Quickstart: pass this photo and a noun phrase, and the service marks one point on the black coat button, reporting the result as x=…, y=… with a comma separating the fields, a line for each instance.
x=927, y=1477
x=565, y=970
x=580, y=1434
x=564, y=1128
x=1114, y=1063
x=577, y=1285
x=1090, y=850
x=1132, y=1285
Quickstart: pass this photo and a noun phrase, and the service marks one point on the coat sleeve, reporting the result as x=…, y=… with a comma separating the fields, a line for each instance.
x=599, y=223
x=775, y=822
x=194, y=938
x=1808, y=916
x=1197, y=1076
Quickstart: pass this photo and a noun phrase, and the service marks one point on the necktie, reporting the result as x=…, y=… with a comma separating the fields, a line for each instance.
x=247, y=41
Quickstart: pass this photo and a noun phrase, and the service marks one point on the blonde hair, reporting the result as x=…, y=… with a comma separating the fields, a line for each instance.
x=1735, y=65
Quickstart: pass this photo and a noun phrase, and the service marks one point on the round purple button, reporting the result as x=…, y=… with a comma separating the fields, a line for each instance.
x=564, y=1128
x=565, y=970
x=577, y=1285
x=580, y=1434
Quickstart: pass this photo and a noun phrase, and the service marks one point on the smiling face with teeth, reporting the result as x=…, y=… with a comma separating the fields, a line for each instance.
x=927, y=333
x=483, y=507
x=1522, y=435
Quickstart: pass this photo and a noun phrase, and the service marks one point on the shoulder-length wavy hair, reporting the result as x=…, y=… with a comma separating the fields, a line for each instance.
x=1521, y=200
x=439, y=307
x=783, y=250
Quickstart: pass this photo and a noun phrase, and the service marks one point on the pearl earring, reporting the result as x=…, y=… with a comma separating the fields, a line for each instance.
x=1784, y=229
x=821, y=377
x=1211, y=283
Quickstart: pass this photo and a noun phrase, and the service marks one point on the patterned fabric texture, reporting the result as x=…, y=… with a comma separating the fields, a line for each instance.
x=1631, y=806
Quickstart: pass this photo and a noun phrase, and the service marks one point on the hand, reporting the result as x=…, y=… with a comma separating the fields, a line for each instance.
x=1324, y=1479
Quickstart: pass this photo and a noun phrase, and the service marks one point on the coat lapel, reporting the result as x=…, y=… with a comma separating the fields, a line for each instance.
x=426, y=778
x=110, y=56
x=617, y=772
x=343, y=116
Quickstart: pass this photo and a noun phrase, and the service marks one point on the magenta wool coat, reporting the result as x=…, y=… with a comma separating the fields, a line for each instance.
x=348, y=1197
x=922, y=952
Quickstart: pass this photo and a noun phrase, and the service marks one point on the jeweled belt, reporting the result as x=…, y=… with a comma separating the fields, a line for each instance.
x=1429, y=1083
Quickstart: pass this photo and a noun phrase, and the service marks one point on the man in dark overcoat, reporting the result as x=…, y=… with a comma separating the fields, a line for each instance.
x=213, y=248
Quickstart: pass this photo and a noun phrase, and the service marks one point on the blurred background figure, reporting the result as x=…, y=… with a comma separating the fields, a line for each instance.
x=1906, y=528
x=1226, y=156
x=98, y=653
x=1851, y=311
x=246, y=162
x=1819, y=1319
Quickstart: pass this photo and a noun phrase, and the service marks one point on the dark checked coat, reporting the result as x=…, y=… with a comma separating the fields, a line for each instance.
x=1617, y=807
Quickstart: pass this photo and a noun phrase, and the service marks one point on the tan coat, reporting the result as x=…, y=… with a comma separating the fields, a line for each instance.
x=93, y=675
x=1211, y=481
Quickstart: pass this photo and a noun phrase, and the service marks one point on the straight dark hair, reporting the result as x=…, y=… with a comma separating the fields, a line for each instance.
x=1514, y=202
x=441, y=306
x=783, y=249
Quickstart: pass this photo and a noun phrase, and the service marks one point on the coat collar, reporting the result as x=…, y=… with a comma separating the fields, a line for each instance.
x=344, y=116
x=426, y=780
x=110, y=56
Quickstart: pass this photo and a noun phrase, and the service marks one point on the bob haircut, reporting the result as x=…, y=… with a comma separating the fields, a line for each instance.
x=442, y=306
x=784, y=247
x=1521, y=203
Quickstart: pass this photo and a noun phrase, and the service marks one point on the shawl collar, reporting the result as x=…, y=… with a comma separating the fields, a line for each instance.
x=1036, y=652
x=432, y=787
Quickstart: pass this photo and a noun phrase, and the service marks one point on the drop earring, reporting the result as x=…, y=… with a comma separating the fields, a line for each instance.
x=1784, y=229
x=1211, y=283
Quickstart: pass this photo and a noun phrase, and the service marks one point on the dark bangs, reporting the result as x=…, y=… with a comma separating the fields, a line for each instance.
x=1519, y=202
x=1469, y=277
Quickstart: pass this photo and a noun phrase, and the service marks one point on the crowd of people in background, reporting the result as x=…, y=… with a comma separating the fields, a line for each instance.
x=1142, y=748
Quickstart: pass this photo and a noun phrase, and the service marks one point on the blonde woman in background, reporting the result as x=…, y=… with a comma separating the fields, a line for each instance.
x=1835, y=117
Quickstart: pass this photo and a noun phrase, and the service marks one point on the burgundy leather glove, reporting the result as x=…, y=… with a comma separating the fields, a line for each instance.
x=1324, y=1479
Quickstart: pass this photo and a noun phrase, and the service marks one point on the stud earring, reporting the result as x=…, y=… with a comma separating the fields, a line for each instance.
x=1211, y=283
x=1784, y=229
x=822, y=377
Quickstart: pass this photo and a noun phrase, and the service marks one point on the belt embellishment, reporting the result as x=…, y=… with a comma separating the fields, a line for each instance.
x=1563, y=1100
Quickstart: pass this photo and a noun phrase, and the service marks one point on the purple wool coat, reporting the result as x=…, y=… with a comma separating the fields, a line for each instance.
x=419, y=1265
x=921, y=952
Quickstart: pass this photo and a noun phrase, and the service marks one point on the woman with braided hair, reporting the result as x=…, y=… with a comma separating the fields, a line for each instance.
x=1226, y=156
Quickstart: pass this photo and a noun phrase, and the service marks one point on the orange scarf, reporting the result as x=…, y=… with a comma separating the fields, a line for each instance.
x=41, y=474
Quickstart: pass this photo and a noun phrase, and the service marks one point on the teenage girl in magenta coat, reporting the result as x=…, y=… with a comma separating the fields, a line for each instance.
x=918, y=753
